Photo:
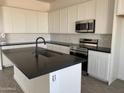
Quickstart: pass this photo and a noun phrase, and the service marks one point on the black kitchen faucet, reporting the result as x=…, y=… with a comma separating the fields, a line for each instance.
x=36, y=48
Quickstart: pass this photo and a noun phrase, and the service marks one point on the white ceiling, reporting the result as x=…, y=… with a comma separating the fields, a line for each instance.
x=47, y=0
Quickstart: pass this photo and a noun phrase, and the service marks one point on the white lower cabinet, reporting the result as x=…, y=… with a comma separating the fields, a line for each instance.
x=58, y=48
x=99, y=65
x=60, y=81
x=66, y=80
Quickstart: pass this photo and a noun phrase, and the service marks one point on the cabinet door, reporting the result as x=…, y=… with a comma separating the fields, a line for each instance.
x=54, y=21
x=101, y=16
x=91, y=9
x=64, y=20
x=42, y=22
x=98, y=65
x=51, y=22
x=72, y=18
x=82, y=11
x=87, y=10
x=104, y=16
x=31, y=22
x=19, y=20
x=7, y=20
x=120, y=10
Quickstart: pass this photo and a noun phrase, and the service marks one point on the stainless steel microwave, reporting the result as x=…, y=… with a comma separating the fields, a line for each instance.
x=85, y=26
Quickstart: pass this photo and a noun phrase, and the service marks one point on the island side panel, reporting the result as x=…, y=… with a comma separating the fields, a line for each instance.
x=67, y=80
x=6, y=61
x=36, y=85
x=0, y=58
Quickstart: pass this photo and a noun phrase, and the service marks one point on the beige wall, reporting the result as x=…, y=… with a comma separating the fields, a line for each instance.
x=27, y=4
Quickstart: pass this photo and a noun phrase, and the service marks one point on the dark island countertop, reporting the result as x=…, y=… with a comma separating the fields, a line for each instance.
x=100, y=49
x=24, y=59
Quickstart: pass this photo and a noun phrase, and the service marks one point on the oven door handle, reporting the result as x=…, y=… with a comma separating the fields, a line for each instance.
x=74, y=51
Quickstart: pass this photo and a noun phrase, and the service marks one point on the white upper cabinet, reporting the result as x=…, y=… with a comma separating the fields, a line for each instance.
x=102, y=11
x=64, y=20
x=54, y=21
x=87, y=10
x=104, y=16
x=72, y=18
x=18, y=21
x=7, y=20
x=31, y=22
x=82, y=11
x=42, y=22
x=51, y=22
x=24, y=21
x=58, y=21
x=120, y=10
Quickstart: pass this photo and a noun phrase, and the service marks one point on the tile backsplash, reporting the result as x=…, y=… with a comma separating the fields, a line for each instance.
x=104, y=40
x=25, y=37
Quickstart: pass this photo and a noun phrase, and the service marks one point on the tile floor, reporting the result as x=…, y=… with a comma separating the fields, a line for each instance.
x=89, y=85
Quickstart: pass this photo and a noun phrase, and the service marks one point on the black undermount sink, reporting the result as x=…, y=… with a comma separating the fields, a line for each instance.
x=49, y=53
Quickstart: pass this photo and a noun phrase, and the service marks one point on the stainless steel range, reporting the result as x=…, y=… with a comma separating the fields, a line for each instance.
x=81, y=51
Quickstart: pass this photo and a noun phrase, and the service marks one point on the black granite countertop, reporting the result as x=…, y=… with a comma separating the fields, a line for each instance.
x=100, y=49
x=25, y=60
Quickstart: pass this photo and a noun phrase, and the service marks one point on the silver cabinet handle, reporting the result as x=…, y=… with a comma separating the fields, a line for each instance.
x=54, y=78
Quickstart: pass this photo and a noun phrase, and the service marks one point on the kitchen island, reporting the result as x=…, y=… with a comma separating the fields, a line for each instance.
x=51, y=72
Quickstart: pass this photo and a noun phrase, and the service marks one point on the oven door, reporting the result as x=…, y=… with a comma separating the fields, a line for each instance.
x=79, y=54
x=83, y=56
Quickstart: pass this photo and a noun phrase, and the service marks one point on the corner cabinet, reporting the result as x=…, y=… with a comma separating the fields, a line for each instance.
x=99, y=65
x=54, y=21
x=104, y=16
x=120, y=8
x=17, y=20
